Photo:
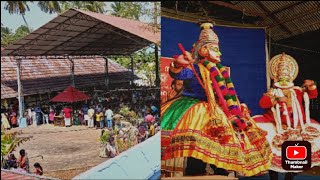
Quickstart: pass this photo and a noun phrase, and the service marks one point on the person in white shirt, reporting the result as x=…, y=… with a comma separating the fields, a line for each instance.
x=90, y=114
x=108, y=117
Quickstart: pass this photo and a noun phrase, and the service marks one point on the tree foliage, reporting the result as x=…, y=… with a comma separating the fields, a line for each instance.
x=94, y=6
x=8, y=37
x=9, y=142
x=143, y=64
x=130, y=10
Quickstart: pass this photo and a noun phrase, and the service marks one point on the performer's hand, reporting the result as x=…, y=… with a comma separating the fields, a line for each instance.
x=308, y=83
x=188, y=56
x=184, y=59
x=283, y=99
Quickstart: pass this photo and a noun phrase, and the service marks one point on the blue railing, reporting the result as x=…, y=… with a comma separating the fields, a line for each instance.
x=139, y=162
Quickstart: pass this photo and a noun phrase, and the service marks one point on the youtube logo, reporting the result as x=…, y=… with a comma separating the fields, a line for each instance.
x=296, y=155
x=296, y=152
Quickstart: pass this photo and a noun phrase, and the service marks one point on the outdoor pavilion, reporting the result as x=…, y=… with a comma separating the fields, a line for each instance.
x=80, y=34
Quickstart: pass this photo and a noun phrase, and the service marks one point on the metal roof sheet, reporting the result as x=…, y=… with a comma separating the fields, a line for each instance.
x=46, y=75
x=77, y=32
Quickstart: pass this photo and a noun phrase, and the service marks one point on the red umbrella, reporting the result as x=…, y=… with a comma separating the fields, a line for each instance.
x=71, y=94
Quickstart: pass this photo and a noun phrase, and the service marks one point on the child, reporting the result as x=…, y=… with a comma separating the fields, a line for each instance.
x=38, y=168
x=11, y=162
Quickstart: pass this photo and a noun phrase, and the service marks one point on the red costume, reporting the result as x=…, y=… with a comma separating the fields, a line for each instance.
x=287, y=116
x=267, y=102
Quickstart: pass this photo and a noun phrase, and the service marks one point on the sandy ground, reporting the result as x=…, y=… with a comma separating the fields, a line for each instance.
x=66, y=152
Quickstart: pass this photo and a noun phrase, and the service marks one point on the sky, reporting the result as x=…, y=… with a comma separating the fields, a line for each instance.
x=35, y=17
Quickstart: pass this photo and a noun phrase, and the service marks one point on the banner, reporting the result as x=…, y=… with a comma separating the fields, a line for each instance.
x=165, y=78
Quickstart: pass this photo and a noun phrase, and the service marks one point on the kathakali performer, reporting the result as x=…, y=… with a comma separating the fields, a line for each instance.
x=208, y=125
x=287, y=116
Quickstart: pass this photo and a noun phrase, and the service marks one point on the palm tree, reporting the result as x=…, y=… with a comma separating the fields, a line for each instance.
x=18, y=7
x=94, y=6
x=50, y=6
x=130, y=10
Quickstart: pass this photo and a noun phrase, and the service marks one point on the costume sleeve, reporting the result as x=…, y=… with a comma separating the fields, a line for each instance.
x=184, y=74
x=266, y=101
x=313, y=93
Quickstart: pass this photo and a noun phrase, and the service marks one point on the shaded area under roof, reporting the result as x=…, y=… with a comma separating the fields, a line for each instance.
x=39, y=76
x=78, y=32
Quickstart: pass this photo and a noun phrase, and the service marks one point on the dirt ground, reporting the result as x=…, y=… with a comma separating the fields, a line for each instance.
x=66, y=152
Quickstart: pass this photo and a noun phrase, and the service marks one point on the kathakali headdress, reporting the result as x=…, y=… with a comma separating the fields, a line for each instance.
x=283, y=67
x=207, y=35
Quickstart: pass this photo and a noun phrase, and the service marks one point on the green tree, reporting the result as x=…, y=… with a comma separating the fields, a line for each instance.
x=94, y=6
x=130, y=10
x=8, y=37
x=50, y=6
x=144, y=64
x=152, y=13
x=18, y=7
x=10, y=141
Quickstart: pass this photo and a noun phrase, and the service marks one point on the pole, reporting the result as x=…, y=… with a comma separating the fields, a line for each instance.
x=20, y=91
x=106, y=77
x=156, y=55
x=72, y=71
x=132, y=70
x=268, y=59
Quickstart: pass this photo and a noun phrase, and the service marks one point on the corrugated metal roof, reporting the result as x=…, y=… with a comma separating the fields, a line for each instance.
x=297, y=16
x=47, y=75
x=283, y=18
x=78, y=32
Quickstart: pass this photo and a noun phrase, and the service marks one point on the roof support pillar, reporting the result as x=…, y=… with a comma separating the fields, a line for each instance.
x=20, y=90
x=106, y=75
x=132, y=70
x=72, y=71
x=156, y=56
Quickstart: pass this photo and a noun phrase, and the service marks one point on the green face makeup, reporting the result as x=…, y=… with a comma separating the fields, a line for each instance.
x=283, y=81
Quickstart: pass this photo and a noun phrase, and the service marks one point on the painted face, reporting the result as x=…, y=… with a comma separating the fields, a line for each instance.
x=283, y=80
x=211, y=51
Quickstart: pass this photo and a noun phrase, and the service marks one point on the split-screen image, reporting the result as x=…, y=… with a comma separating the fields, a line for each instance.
x=160, y=90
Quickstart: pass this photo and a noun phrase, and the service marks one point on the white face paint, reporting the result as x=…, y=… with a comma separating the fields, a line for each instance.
x=211, y=51
x=213, y=55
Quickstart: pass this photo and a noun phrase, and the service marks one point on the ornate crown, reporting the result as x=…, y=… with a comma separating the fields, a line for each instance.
x=283, y=66
x=207, y=35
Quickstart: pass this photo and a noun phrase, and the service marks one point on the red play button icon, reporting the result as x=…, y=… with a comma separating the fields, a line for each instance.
x=296, y=152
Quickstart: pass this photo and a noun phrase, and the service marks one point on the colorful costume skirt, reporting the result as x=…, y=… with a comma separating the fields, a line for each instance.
x=184, y=128
x=276, y=140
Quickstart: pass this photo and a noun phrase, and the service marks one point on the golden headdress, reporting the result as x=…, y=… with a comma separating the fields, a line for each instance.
x=283, y=66
x=207, y=35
